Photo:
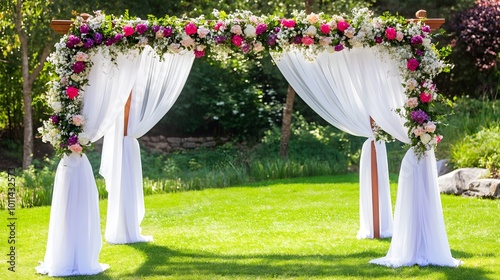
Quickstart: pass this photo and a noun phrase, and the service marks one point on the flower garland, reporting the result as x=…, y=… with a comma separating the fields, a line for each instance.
x=242, y=33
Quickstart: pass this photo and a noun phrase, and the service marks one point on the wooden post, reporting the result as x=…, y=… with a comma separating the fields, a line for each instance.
x=375, y=199
x=127, y=112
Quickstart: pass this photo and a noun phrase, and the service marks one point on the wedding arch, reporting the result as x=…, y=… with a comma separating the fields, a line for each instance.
x=117, y=76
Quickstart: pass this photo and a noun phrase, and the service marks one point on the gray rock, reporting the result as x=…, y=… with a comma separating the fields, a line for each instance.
x=487, y=188
x=457, y=181
x=443, y=167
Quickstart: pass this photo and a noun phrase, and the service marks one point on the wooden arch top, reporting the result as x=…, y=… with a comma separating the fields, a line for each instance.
x=62, y=26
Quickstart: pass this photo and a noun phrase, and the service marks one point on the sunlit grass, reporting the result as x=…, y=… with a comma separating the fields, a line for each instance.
x=288, y=229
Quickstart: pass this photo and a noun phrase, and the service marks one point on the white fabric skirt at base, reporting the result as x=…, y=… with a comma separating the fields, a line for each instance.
x=74, y=240
x=419, y=236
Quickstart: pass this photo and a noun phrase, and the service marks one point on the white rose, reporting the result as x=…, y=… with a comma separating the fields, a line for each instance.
x=250, y=31
x=426, y=42
x=83, y=138
x=425, y=138
x=311, y=31
x=56, y=106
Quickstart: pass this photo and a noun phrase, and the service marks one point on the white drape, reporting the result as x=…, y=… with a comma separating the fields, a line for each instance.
x=74, y=239
x=419, y=235
x=157, y=86
x=327, y=86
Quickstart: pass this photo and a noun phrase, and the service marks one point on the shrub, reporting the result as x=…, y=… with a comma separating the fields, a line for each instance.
x=479, y=150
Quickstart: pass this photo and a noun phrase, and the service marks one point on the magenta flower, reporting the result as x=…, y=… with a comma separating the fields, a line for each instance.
x=412, y=64
x=425, y=97
x=54, y=119
x=378, y=40
x=416, y=40
x=78, y=67
x=141, y=28
x=325, y=28
x=218, y=25
x=118, y=37
x=198, y=53
x=73, y=41
x=390, y=33
x=108, y=42
x=419, y=116
x=155, y=28
x=342, y=25
x=190, y=28
x=261, y=28
x=128, y=30
x=167, y=31
x=237, y=40
x=338, y=47
x=84, y=29
x=72, y=92
x=307, y=40
x=288, y=23
x=245, y=48
x=426, y=29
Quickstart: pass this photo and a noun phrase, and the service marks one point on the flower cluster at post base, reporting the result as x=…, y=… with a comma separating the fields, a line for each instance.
x=242, y=33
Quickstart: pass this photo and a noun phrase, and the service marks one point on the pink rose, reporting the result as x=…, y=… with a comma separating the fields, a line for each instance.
x=219, y=26
x=72, y=92
x=128, y=30
x=399, y=36
x=190, y=28
x=425, y=97
x=439, y=138
x=307, y=40
x=418, y=131
x=390, y=33
x=289, y=23
x=77, y=120
x=430, y=127
x=76, y=148
x=412, y=102
x=412, y=64
x=325, y=28
x=237, y=40
x=199, y=53
x=342, y=25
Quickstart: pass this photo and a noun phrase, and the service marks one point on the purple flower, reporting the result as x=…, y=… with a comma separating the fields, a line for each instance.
x=419, y=116
x=219, y=39
x=416, y=40
x=118, y=37
x=141, y=28
x=89, y=43
x=378, y=40
x=426, y=29
x=72, y=140
x=277, y=29
x=155, y=28
x=73, y=41
x=297, y=39
x=272, y=39
x=261, y=28
x=245, y=48
x=98, y=38
x=78, y=67
x=108, y=42
x=338, y=47
x=167, y=31
x=84, y=29
x=54, y=119
x=418, y=52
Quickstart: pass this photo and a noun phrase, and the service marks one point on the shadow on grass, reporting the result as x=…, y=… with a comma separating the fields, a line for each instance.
x=162, y=261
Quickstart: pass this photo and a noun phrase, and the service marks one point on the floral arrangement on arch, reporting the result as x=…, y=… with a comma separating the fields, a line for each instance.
x=242, y=33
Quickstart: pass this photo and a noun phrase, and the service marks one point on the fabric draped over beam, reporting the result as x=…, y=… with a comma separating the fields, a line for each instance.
x=74, y=239
x=419, y=235
x=326, y=85
x=158, y=84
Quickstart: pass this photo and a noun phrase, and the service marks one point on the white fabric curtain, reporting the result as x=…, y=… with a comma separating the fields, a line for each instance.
x=419, y=235
x=157, y=86
x=74, y=239
x=326, y=85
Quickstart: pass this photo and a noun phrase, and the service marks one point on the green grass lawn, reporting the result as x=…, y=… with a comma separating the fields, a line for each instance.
x=289, y=229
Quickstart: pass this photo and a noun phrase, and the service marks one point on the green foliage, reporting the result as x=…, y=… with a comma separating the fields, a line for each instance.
x=479, y=150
